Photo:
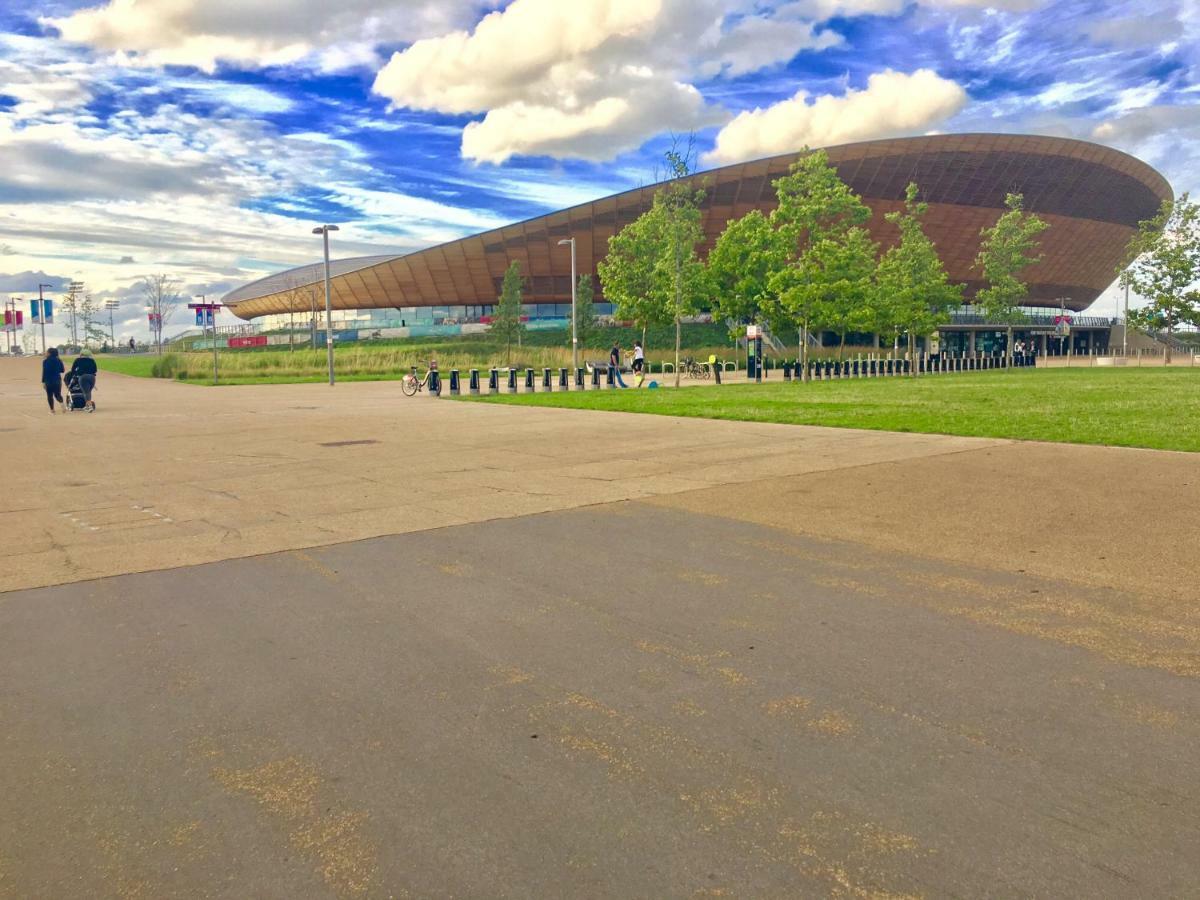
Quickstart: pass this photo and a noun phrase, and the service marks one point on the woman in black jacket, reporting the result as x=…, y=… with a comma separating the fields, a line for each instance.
x=52, y=373
x=84, y=368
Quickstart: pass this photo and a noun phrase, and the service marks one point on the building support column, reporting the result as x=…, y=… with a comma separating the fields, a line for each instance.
x=971, y=346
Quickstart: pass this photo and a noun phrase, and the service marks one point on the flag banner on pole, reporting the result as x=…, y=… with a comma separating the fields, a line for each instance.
x=48, y=312
x=35, y=313
x=199, y=316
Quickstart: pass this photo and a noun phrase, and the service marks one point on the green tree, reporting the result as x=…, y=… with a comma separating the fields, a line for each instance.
x=911, y=281
x=586, y=323
x=815, y=206
x=1007, y=248
x=836, y=283
x=652, y=273
x=1165, y=268
x=506, y=322
x=748, y=252
x=89, y=316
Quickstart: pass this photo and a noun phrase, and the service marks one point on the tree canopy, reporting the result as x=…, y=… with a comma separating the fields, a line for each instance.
x=915, y=294
x=1165, y=268
x=1007, y=249
x=506, y=320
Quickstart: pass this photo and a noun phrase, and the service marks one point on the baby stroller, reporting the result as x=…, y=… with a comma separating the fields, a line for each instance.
x=75, y=398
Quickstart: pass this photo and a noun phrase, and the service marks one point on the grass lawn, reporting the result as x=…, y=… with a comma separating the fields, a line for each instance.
x=126, y=365
x=1156, y=408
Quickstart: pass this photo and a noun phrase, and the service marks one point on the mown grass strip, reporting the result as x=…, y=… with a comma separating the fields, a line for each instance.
x=1154, y=408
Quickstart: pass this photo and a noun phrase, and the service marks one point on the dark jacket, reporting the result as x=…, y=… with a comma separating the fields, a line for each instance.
x=83, y=365
x=52, y=370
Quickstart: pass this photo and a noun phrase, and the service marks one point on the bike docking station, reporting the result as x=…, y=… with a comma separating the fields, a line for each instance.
x=754, y=360
x=610, y=380
x=512, y=381
x=547, y=384
x=595, y=379
x=530, y=384
x=579, y=379
x=435, y=380
x=473, y=384
x=563, y=384
x=454, y=391
x=493, y=382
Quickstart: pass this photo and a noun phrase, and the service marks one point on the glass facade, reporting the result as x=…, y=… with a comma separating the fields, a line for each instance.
x=405, y=316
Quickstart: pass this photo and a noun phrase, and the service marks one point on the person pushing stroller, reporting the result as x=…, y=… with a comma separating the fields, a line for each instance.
x=81, y=380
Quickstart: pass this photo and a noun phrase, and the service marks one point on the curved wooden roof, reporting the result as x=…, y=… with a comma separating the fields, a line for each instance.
x=1092, y=196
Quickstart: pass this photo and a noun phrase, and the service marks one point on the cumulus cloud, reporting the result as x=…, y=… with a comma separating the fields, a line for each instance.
x=598, y=131
x=593, y=78
x=203, y=33
x=892, y=103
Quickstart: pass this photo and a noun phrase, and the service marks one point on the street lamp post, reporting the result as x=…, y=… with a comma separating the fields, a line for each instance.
x=324, y=230
x=574, y=318
x=111, y=306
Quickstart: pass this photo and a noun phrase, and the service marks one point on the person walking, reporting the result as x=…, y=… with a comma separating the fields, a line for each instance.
x=52, y=375
x=84, y=368
x=614, y=363
x=639, y=362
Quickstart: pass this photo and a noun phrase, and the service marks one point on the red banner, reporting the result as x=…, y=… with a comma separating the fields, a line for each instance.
x=258, y=340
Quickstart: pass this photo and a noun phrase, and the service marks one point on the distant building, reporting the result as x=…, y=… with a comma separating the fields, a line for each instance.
x=1092, y=196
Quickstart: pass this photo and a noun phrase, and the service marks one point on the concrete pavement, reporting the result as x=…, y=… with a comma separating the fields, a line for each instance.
x=641, y=657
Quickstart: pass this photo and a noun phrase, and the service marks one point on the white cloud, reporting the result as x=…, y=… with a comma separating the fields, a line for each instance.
x=598, y=131
x=203, y=33
x=892, y=103
x=469, y=72
x=593, y=78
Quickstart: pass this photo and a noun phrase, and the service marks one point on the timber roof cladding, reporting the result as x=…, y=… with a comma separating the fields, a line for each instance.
x=1092, y=196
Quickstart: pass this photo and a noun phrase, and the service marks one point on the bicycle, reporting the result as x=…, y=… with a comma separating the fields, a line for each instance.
x=410, y=383
x=694, y=369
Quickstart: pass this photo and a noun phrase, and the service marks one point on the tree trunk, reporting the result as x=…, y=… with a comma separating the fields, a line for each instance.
x=1170, y=334
x=678, y=332
x=912, y=355
x=804, y=349
x=842, y=344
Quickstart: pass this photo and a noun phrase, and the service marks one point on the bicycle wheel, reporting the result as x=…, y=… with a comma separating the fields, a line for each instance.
x=408, y=384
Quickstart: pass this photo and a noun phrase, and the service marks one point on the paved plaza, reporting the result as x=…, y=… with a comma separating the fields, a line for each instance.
x=295, y=641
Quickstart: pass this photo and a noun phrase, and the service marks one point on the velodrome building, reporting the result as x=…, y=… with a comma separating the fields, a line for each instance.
x=1092, y=196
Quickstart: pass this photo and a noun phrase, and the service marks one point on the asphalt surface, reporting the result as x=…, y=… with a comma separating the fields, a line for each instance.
x=623, y=700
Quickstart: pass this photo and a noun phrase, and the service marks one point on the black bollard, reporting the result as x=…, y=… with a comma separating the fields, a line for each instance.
x=787, y=371
x=493, y=381
x=547, y=383
x=595, y=378
x=454, y=391
x=435, y=383
x=530, y=384
x=579, y=379
x=473, y=384
x=609, y=380
x=512, y=381
x=563, y=384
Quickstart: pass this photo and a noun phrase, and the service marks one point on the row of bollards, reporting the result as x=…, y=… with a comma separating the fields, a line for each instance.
x=926, y=364
x=817, y=370
x=565, y=381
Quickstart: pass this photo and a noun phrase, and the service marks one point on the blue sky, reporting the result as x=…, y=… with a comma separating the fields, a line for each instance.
x=204, y=138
